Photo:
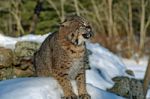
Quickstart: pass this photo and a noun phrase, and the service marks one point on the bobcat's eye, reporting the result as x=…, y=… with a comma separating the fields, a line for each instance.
x=87, y=27
x=81, y=27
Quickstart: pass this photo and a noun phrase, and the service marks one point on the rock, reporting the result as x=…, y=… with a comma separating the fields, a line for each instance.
x=23, y=64
x=121, y=86
x=18, y=63
x=6, y=57
x=130, y=72
x=26, y=48
x=136, y=89
x=23, y=73
x=128, y=87
x=6, y=73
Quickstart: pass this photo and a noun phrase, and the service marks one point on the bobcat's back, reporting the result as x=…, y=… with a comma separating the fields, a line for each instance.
x=63, y=55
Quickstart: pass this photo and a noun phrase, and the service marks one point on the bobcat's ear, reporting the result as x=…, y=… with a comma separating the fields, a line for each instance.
x=65, y=24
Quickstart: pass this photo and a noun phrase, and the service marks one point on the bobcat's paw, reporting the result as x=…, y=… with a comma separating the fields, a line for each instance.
x=70, y=97
x=84, y=96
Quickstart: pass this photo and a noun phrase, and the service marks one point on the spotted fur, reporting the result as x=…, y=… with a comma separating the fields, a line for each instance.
x=63, y=55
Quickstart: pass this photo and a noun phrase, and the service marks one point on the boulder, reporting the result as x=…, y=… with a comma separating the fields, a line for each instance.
x=18, y=63
x=6, y=73
x=23, y=64
x=121, y=86
x=6, y=57
x=130, y=88
x=23, y=73
x=130, y=72
x=26, y=48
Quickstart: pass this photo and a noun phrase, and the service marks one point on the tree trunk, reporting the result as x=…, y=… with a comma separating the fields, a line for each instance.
x=146, y=78
x=62, y=10
x=15, y=11
x=110, y=20
x=142, y=30
x=76, y=7
x=35, y=18
x=131, y=40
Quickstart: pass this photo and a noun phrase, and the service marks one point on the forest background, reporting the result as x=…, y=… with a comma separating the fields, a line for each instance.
x=122, y=26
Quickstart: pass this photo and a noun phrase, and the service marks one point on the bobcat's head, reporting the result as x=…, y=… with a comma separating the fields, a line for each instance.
x=76, y=29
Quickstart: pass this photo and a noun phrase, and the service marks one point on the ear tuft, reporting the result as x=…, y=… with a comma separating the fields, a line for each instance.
x=65, y=24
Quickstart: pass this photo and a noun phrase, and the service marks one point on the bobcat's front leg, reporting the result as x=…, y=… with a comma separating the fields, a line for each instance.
x=66, y=87
x=81, y=84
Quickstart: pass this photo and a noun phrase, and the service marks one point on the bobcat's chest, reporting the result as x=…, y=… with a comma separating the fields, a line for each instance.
x=76, y=66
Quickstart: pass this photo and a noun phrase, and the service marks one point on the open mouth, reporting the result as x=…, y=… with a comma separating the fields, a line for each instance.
x=87, y=35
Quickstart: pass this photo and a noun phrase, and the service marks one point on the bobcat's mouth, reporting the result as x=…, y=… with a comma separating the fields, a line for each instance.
x=83, y=38
x=87, y=35
x=84, y=35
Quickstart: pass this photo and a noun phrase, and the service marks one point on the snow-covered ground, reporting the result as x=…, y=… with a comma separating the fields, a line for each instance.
x=104, y=66
x=43, y=88
x=9, y=42
x=137, y=67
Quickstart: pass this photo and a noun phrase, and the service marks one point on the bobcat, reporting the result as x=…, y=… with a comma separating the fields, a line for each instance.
x=63, y=55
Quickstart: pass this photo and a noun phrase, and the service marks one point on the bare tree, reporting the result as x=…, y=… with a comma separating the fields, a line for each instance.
x=62, y=10
x=97, y=16
x=76, y=7
x=110, y=18
x=144, y=25
x=59, y=12
x=142, y=30
x=16, y=14
x=130, y=35
x=146, y=78
x=35, y=18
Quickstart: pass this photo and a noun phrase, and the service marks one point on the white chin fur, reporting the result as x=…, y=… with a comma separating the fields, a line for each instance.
x=81, y=41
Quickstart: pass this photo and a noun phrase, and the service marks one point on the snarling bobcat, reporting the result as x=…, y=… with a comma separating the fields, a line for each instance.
x=63, y=55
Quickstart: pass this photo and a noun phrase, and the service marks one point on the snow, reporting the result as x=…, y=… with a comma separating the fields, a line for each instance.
x=104, y=66
x=42, y=88
x=138, y=67
x=29, y=88
x=9, y=42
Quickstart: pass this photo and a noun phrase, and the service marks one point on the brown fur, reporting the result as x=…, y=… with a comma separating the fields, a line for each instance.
x=63, y=56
